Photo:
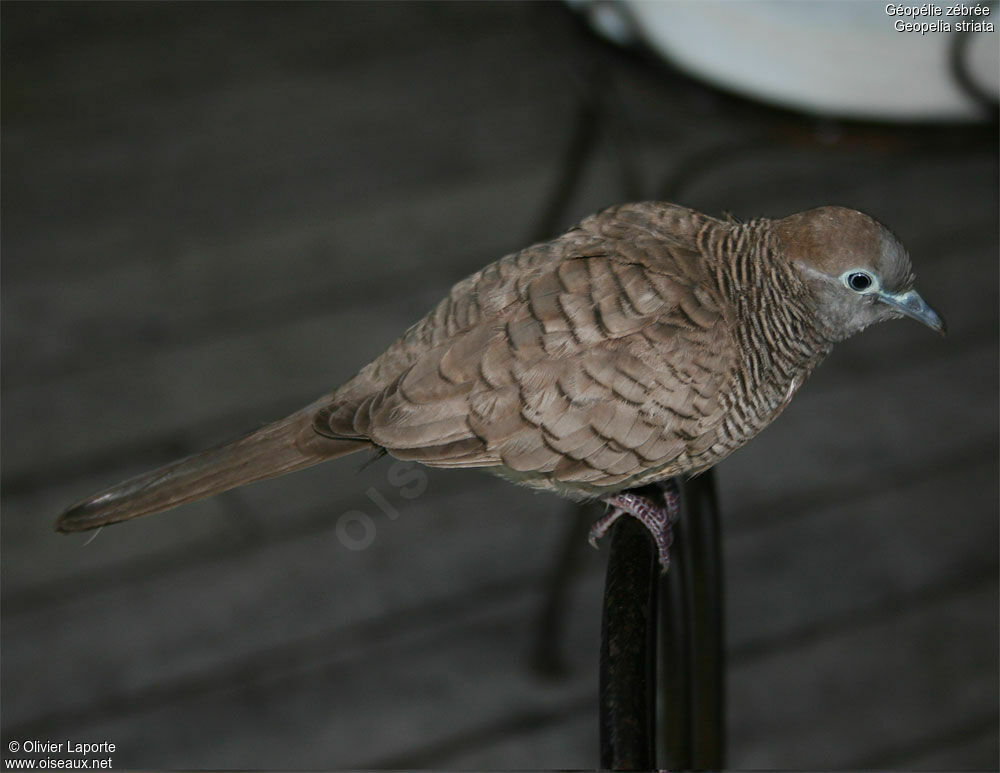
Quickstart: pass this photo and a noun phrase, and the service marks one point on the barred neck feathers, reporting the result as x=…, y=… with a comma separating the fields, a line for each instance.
x=771, y=304
x=778, y=339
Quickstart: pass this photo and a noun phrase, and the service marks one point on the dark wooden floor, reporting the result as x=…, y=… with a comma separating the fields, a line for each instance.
x=212, y=214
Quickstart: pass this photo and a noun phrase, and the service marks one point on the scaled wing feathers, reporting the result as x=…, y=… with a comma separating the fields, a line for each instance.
x=581, y=363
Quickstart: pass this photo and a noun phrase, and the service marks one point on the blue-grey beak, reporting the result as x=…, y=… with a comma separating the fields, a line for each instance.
x=912, y=305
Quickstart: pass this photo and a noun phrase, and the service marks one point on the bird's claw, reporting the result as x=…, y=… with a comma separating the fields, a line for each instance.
x=658, y=519
x=602, y=524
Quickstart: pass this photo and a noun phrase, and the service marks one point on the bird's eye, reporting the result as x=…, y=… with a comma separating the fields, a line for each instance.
x=859, y=281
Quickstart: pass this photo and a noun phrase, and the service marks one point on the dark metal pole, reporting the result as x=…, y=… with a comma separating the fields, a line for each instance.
x=628, y=644
x=674, y=673
x=702, y=547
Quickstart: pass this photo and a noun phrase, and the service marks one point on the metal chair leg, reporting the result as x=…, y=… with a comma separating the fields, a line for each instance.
x=704, y=601
x=628, y=638
x=662, y=668
x=674, y=683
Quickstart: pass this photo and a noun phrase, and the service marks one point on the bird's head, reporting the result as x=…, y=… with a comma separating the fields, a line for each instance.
x=855, y=268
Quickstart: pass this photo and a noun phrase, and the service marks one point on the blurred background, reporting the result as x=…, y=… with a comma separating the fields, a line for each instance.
x=213, y=214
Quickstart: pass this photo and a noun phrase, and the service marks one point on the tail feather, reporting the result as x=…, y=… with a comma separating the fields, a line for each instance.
x=275, y=449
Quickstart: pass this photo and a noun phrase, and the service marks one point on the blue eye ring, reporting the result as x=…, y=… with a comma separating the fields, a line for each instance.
x=860, y=281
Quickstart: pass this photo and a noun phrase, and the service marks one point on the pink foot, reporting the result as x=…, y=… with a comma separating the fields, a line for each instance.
x=655, y=518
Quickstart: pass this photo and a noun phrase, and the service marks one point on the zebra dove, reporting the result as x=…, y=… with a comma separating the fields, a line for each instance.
x=648, y=341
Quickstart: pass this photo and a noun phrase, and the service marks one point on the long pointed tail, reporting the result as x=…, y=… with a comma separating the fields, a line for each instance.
x=277, y=448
